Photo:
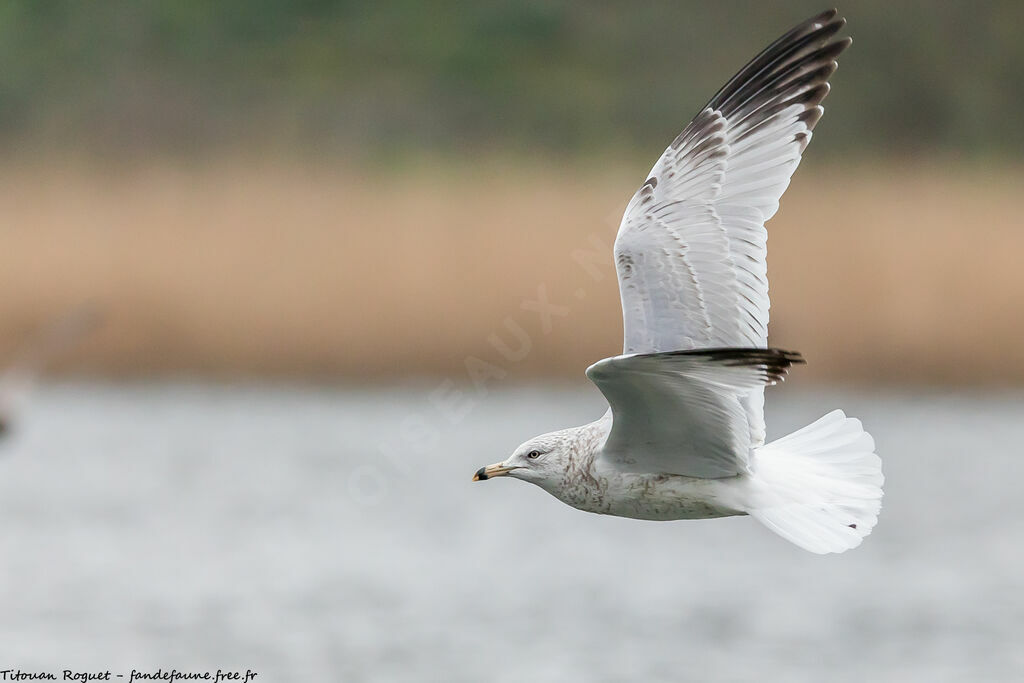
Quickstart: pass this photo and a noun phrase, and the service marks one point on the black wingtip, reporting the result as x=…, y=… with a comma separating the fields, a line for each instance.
x=791, y=357
x=770, y=75
x=774, y=363
x=826, y=15
x=739, y=355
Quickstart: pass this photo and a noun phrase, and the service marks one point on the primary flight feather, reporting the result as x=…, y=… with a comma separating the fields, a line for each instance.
x=684, y=436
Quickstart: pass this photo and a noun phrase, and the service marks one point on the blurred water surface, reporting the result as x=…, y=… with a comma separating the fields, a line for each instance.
x=334, y=534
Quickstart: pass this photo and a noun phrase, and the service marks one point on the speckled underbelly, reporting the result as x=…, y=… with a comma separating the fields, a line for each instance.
x=660, y=497
x=676, y=510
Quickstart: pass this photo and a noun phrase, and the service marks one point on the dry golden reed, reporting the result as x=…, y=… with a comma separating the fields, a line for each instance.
x=878, y=273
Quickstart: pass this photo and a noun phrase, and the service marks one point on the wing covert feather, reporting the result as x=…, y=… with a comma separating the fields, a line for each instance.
x=681, y=412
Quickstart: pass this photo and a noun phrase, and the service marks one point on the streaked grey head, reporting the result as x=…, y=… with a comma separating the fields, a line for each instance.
x=542, y=460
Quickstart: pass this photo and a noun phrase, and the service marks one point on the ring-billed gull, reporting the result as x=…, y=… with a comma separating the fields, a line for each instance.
x=684, y=436
x=62, y=334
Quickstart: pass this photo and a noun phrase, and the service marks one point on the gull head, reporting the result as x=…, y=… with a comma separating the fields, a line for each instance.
x=543, y=460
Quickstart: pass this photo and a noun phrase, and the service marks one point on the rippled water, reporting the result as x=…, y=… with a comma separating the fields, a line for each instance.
x=318, y=535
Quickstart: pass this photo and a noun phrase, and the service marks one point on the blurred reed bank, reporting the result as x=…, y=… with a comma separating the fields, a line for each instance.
x=384, y=190
x=877, y=273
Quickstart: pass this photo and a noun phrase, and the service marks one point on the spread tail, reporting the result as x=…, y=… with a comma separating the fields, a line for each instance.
x=821, y=486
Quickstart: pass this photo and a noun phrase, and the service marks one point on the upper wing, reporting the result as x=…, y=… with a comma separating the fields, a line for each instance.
x=681, y=412
x=690, y=252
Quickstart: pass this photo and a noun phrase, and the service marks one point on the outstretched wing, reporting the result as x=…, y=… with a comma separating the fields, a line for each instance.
x=681, y=412
x=690, y=251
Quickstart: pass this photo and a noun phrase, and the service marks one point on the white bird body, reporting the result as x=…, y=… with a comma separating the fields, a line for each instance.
x=684, y=437
x=655, y=497
x=591, y=484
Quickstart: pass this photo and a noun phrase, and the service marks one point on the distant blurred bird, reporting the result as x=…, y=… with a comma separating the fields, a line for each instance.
x=684, y=437
x=18, y=380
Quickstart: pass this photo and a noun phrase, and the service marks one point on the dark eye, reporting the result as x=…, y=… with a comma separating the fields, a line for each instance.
x=533, y=455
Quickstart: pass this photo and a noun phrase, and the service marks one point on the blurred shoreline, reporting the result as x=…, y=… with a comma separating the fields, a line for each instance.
x=279, y=268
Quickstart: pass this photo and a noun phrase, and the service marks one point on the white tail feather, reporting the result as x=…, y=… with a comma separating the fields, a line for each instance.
x=821, y=486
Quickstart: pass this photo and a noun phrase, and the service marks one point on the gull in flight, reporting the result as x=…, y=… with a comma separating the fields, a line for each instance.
x=19, y=378
x=684, y=436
